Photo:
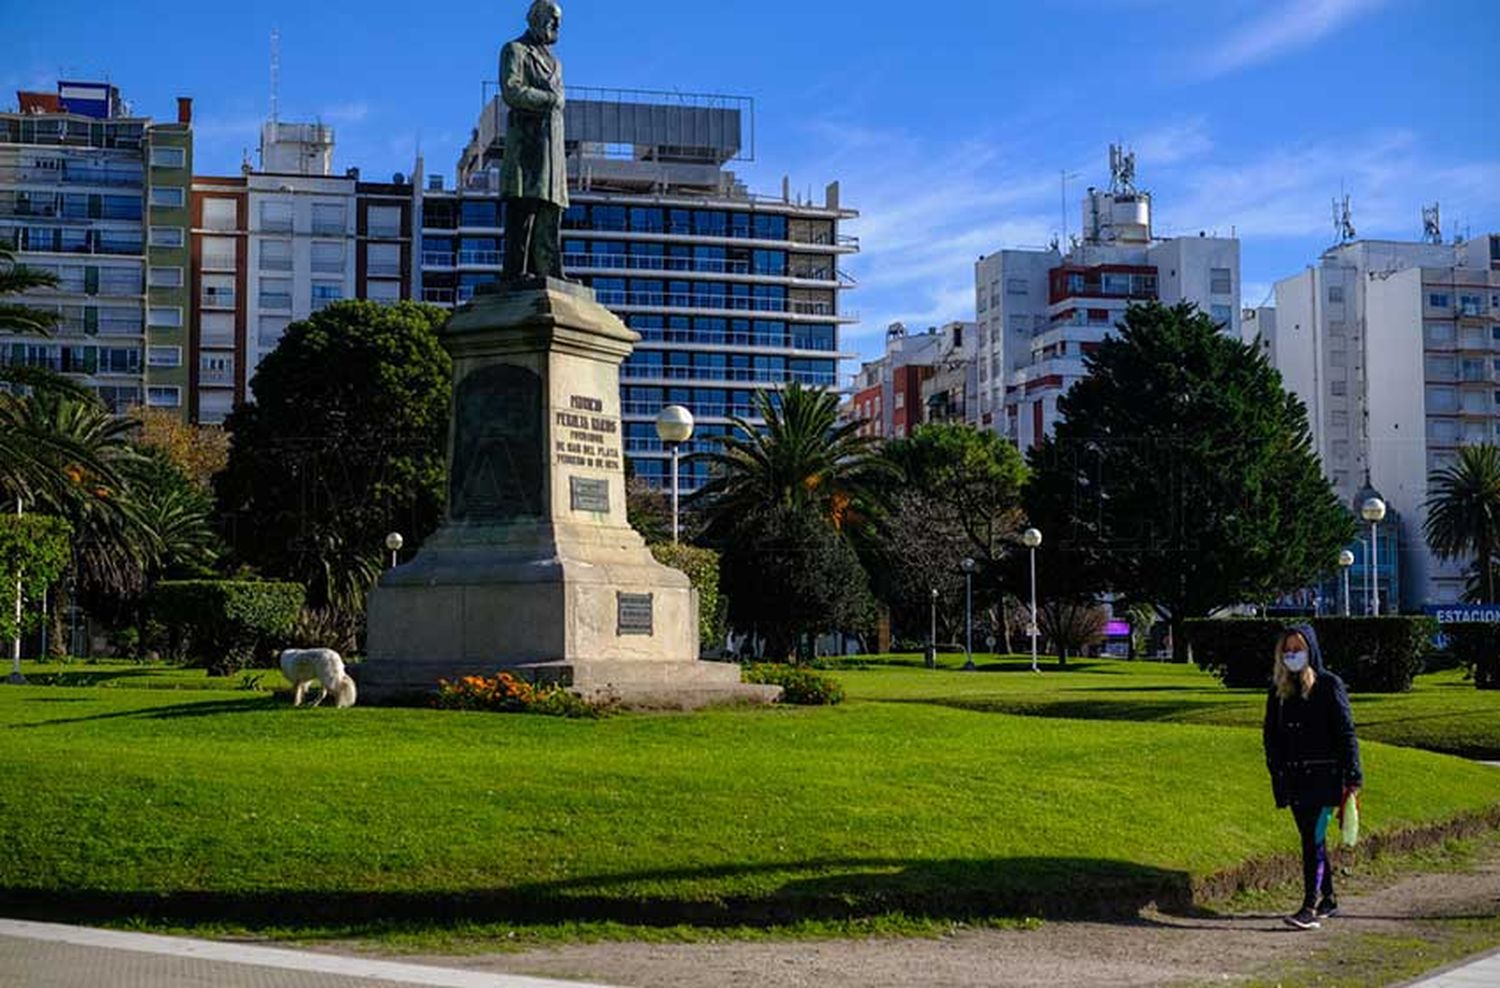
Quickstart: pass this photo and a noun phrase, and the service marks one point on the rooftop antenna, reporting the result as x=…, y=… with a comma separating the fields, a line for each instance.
x=1066, y=177
x=1343, y=221
x=275, y=75
x=1432, y=224
x=1121, y=170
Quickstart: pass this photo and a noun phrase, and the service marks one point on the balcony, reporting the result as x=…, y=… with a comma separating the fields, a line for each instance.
x=720, y=303
x=640, y=444
x=437, y=259
x=478, y=258
x=219, y=262
x=753, y=375
x=217, y=298
x=440, y=296
x=703, y=337
x=221, y=377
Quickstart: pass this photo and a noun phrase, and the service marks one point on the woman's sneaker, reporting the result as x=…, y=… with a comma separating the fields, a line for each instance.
x=1303, y=919
x=1327, y=908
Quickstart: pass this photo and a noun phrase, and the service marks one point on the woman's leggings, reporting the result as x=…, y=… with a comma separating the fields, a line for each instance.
x=1317, y=875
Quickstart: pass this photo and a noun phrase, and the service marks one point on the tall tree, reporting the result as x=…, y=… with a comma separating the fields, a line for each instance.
x=1463, y=513
x=343, y=443
x=803, y=458
x=1182, y=474
x=198, y=451
x=16, y=317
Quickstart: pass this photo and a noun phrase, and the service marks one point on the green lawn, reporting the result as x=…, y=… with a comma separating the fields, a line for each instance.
x=1442, y=713
x=915, y=800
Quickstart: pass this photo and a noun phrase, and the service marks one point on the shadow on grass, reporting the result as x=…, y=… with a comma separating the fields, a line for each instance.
x=71, y=678
x=1144, y=710
x=206, y=708
x=835, y=890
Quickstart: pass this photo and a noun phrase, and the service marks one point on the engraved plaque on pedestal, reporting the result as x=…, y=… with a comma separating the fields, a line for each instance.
x=499, y=448
x=635, y=613
x=589, y=494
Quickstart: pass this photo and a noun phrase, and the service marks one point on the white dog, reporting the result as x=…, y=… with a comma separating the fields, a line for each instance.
x=304, y=666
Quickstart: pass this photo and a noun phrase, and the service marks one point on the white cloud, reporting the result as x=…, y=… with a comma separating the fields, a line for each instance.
x=1172, y=143
x=1288, y=25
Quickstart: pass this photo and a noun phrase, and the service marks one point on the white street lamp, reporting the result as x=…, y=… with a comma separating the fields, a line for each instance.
x=394, y=542
x=15, y=678
x=674, y=426
x=969, y=566
x=1346, y=560
x=932, y=635
x=1032, y=539
x=1374, y=513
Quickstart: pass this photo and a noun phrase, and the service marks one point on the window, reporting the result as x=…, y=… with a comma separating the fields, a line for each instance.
x=166, y=236
x=1442, y=400
x=328, y=217
x=1474, y=370
x=328, y=256
x=1221, y=281
x=275, y=293
x=1335, y=294
x=168, y=158
x=1016, y=286
x=276, y=255
x=168, y=317
x=383, y=291
x=164, y=356
x=276, y=216
x=216, y=368
x=1338, y=388
x=384, y=221
x=1439, y=300
x=272, y=328
x=1115, y=284
x=166, y=278
x=326, y=292
x=479, y=212
x=1223, y=315
x=1438, y=333
x=167, y=197
x=219, y=253
x=164, y=397
x=1471, y=305
x=216, y=328
x=220, y=214
x=217, y=291
x=383, y=260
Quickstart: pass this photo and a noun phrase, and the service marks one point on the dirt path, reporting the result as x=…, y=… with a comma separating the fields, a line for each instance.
x=1152, y=950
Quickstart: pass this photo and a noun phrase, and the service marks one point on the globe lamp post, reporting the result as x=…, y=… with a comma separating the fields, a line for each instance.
x=674, y=426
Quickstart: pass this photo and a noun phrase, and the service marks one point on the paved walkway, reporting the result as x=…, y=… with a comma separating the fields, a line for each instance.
x=44, y=955
x=1483, y=973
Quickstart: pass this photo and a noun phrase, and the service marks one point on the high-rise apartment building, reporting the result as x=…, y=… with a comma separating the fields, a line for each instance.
x=921, y=377
x=1040, y=312
x=99, y=197
x=732, y=292
x=1395, y=349
x=274, y=245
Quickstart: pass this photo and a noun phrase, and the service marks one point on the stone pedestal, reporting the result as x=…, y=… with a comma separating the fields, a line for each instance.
x=536, y=569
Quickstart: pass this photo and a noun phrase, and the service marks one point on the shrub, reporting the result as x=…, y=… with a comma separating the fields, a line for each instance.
x=1371, y=655
x=1237, y=650
x=227, y=624
x=1376, y=655
x=702, y=569
x=1476, y=645
x=504, y=693
x=800, y=686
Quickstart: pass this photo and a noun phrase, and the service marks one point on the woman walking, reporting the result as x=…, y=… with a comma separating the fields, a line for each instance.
x=1313, y=757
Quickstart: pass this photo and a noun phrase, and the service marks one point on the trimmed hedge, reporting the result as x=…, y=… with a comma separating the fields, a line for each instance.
x=800, y=686
x=1371, y=655
x=702, y=569
x=227, y=624
x=1476, y=645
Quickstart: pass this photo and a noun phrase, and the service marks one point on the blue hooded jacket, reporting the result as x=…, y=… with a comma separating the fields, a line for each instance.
x=1311, y=750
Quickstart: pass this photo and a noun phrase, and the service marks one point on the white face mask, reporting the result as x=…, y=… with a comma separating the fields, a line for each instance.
x=1295, y=662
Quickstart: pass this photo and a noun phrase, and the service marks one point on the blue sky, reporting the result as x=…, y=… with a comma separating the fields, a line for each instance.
x=948, y=124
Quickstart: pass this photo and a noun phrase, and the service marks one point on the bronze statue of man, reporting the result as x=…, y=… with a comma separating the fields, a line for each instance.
x=534, y=175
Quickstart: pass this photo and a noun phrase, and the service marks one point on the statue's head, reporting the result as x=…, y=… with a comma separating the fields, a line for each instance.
x=545, y=19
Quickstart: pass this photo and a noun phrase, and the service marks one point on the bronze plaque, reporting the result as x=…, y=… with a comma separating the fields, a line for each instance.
x=499, y=452
x=636, y=614
x=588, y=494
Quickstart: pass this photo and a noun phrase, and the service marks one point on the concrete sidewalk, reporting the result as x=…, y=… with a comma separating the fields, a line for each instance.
x=1483, y=973
x=45, y=955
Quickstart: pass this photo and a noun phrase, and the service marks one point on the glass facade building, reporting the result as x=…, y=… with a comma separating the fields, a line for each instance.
x=732, y=293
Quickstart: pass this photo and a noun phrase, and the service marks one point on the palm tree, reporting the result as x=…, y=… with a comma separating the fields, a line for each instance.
x=1463, y=511
x=802, y=459
x=14, y=279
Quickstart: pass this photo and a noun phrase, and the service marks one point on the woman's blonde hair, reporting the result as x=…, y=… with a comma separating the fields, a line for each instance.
x=1285, y=684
